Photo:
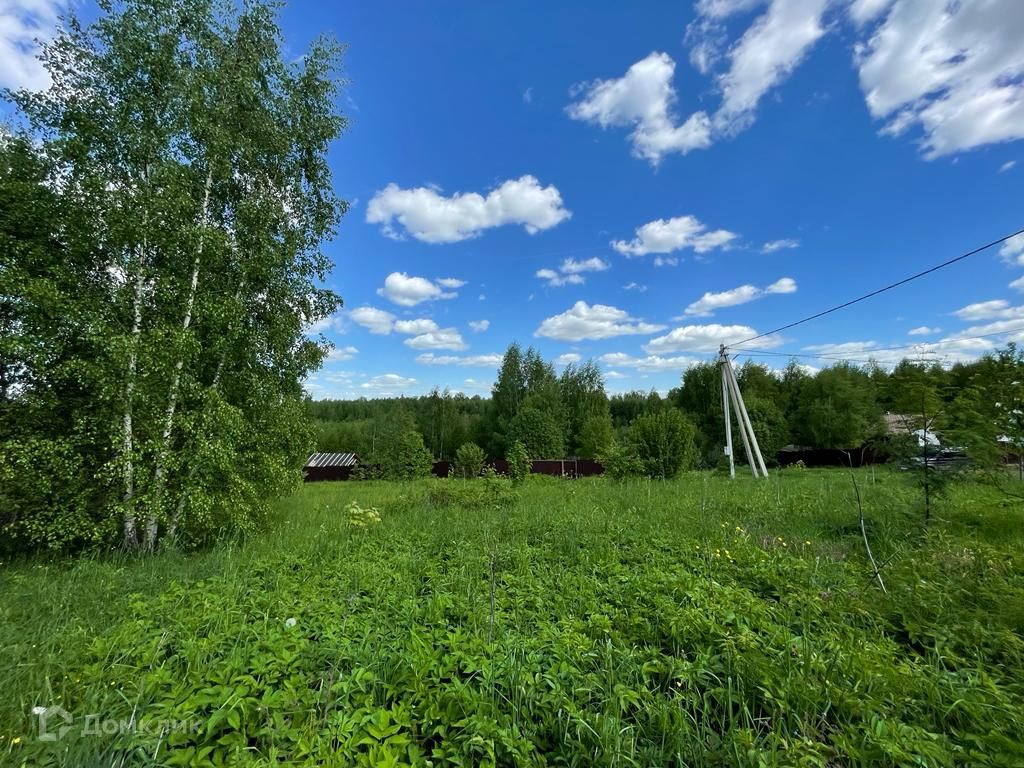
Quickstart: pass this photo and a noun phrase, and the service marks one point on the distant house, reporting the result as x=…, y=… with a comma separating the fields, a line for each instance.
x=330, y=466
x=901, y=424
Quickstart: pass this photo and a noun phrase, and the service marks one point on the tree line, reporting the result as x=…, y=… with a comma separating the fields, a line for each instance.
x=162, y=207
x=977, y=406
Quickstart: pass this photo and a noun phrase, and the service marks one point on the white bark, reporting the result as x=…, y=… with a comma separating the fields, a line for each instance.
x=131, y=539
x=159, y=477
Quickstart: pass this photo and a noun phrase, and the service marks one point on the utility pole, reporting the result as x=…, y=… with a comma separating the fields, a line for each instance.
x=731, y=393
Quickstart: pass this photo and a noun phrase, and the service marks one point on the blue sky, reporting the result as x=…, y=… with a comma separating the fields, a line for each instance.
x=636, y=183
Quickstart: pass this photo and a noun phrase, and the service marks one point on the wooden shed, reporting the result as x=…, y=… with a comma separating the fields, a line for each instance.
x=330, y=466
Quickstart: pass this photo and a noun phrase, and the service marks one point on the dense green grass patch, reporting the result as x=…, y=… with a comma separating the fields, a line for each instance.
x=694, y=622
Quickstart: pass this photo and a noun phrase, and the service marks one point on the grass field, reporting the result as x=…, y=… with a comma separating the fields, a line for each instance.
x=693, y=622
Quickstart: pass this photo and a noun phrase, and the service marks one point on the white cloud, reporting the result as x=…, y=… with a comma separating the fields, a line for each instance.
x=22, y=23
x=771, y=48
x=573, y=267
x=340, y=354
x=407, y=291
x=473, y=361
x=649, y=364
x=720, y=9
x=331, y=323
x=429, y=216
x=777, y=245
x=572, y=271
x=945, y=351
x=666, y=261
x=442, y=338
x=843, y=348
x=479, y=326
x=554, y=279
x=479, y=385
x=374, y=320
x=704, y=338
x=450, y=282
x=863, y=11
x=1012, y=323
x=528, y=95
x=669, y=235
x=635, y=287
x=1018, y=284
x=923, y=330
x=645, y=99
x=388, y=381
x=1009, y=164
x=1013, y=250
x=710, y=302
x=567, y=358
x=583, y=321
x=953, y=69
x=413, y=327
x=615, y=375
x=983, y=310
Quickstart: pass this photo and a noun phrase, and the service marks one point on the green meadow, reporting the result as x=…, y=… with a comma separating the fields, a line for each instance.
x=691, y=622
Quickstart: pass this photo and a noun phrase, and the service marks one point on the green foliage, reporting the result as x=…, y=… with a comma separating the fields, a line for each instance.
x=491, y=492
x=403, y=456
x=539, y=432
x=155, y=302
x=837, y=409
x=596, y=436
x=769, y=425
x=620, y=460
x=469, y=460
x=518, y=463
x=664, y=443
x=693, y=622
x=360, y=517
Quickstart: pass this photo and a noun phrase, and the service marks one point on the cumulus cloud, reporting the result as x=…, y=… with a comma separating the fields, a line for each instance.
x=1013, y=250
x=554, y=279
x=945, y=351
x=777, y=245
x=420, y=325
x=471, y=361
x=340, y=354
x=442, y=338
x=407, y=291
x=1018, y=284
x=477, y=385
x=583, y=321
x=22, y=24
x=571, y=272
x=707, y=304
x=952, y=69
x=635, y=287
x=388, y=381
x=984, y=310
x=374, y=320
x=644, y=99
x=704, y=338
x=923, y=330
x=568, y=358
x=670, y=235
x=427, y=215
x=450, y=282
x=479, y=326
x=649, y=364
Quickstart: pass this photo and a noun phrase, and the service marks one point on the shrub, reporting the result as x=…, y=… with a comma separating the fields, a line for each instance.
x=469, y=460
x=518, y=463
x=494, y=492
x=359, y=517
x=621, y=461
x=405, y=457
x=664, y=442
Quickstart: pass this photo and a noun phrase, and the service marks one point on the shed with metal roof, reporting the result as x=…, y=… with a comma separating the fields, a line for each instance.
x=330, y=466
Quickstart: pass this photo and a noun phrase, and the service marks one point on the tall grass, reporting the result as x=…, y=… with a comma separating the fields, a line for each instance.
x=693, y=622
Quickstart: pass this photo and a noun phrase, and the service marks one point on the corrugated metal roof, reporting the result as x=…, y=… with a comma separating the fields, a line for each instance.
x=332, y=460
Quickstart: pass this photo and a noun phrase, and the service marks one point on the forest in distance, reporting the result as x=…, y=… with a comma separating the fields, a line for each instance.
x=977, y=406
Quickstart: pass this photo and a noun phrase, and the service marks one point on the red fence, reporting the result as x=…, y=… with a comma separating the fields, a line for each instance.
x=554, y=467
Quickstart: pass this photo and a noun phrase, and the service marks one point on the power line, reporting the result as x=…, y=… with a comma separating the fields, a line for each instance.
x=884, y=349
x=889, y=287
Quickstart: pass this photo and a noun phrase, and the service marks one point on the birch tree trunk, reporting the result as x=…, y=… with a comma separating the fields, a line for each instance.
x=131, y=536
x=159, y=476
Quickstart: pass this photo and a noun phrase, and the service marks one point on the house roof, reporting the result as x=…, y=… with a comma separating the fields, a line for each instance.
x=332, y=460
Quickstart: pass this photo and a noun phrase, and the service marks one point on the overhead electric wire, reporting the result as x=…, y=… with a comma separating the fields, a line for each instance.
x=889, y=287
x=836, y=356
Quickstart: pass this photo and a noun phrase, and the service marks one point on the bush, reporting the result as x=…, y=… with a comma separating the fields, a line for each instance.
x=621, y=461
x=494, y=492
x=664, y=442
x=469, y=460
x=405, y=457
x=518, y=463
